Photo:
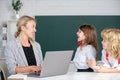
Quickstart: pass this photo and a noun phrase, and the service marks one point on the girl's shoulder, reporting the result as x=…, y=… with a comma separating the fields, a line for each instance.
x=103, y=51
x=89, y=46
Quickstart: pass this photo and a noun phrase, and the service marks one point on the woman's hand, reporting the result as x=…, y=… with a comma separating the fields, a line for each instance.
x=25, y=69
x=35, y=68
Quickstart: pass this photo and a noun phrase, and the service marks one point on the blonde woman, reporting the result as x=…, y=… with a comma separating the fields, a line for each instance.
x=22, y=53
x=110, y=52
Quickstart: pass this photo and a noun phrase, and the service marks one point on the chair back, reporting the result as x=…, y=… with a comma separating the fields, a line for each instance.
x=4, y=71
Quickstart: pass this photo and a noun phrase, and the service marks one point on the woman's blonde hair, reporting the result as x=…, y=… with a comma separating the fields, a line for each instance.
x=22, y=21
x=112, y=36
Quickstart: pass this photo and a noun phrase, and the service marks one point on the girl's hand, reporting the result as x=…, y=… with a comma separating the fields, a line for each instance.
x=96, y=68
x=102, y=69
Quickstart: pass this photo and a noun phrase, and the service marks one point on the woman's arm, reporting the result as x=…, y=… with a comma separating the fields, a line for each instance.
x=9, y=58
x=27, y=69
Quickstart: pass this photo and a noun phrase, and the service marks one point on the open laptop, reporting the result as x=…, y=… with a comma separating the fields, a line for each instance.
x=55, y=63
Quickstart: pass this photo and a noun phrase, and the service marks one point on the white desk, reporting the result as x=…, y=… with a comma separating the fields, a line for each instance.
x=73, y=75
x=82, y=76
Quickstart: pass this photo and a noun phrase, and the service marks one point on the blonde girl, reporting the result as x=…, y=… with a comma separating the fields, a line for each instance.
x=110, y=52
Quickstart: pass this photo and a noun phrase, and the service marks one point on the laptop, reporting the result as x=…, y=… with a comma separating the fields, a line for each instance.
x=55, y=63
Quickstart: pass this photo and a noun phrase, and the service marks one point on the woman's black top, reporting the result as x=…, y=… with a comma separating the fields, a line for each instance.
x=29, y=53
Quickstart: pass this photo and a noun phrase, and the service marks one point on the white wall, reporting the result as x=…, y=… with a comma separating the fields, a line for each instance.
x=60, y=7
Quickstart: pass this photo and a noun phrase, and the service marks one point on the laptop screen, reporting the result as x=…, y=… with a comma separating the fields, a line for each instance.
x=55, y=63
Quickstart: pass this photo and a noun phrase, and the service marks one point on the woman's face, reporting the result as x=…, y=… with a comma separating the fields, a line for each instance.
x=30, y=29
x=80, y=35
x=104, y=44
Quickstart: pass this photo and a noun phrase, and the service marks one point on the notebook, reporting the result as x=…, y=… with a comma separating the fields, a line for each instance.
x=55, y=63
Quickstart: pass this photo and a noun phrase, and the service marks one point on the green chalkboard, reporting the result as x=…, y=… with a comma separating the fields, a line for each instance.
x=59, y=32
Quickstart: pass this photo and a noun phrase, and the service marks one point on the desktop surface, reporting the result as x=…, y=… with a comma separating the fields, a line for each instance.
x=73, y=75
x=82, y=76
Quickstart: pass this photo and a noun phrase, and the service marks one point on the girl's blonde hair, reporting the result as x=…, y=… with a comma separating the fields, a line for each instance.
x=112, y=36
x=91, y=36
x=22, y=21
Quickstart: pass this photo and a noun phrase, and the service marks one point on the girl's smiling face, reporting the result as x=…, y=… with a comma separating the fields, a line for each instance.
x=80, y=35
